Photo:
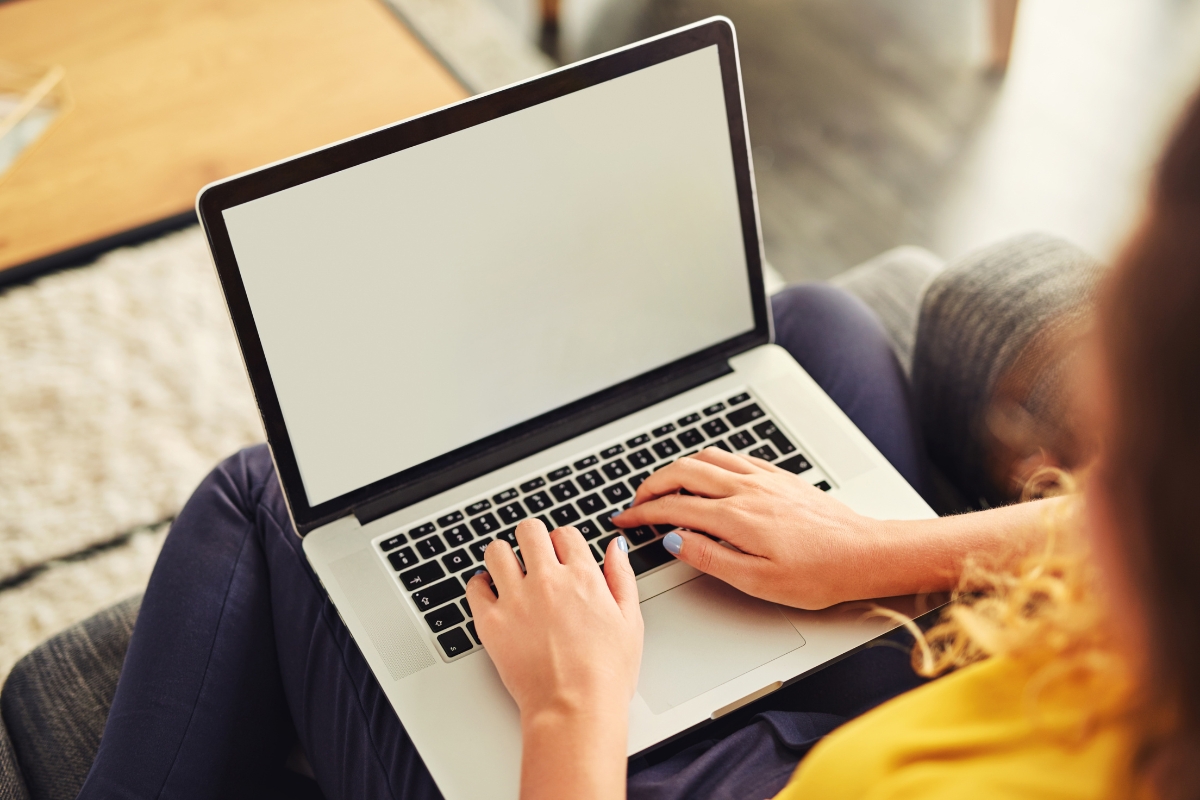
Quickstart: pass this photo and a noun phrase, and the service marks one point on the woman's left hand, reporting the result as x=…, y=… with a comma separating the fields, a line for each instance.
x=566, y=639
x=564, y=636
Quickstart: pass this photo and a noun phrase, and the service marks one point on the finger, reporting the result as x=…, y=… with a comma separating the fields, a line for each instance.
x=536, y=550
x=619, y=574
x=729, y=461
x=570, y=547
x=736, y=569
x=698, y=477
x=697, y=513
x=502, y=565
x=480, y=595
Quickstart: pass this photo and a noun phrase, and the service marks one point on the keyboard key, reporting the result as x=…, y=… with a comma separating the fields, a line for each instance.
x=393, y=543
x=433, y=596
x=485, y=524
x=713, y=409
x=596, y=554
x=767, y=430
x=536, y=483
x=445, y=617
x=584, y=463
x=823, y=486
x=564, y=491
x=615, y=450
x=741, y=440
x=565, y=515
x=616, y=469
x=545, y=521
x=642, y=458
x=427, y=573
x=422, y=530
x=474, y=635
x=744, y=414
x=690, y=438
x=637, y=441
x=477, y=548
x=739, y=399
x=458, y=535
x=606, y=522
x=559, y=474
x=457, y=560
x=797, y=464
x=591, y=504
x=688, y=420
x=466, y=606
x=720, y=444
x=511, y=513
x=636, y=480
x=766, y=452
x=663, y=530
x=509, y=536
x=603, y=543
x=663, y=430
x=455, y=642
x=476, y=508
x=450, y=519
x=428, y=548
x=538, y=502
x=645, y=559
x=617, y=492
x=589, y=529
x=590, y=480
x=640, y=535
x=666, y=448
x=402, y=558
x=505, y=496
x=715, y=427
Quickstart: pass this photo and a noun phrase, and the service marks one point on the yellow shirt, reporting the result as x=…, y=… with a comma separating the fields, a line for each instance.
x=975, y=733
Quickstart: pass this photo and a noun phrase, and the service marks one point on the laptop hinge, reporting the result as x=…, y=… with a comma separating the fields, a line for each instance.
x=536, y=441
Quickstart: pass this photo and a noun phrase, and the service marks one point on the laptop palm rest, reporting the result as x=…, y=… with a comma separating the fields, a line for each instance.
x=704, y=633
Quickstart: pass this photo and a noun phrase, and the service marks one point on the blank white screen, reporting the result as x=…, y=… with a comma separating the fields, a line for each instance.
x=424, y=300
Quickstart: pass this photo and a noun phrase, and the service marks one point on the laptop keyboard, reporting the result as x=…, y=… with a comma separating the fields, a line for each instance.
x=433, y=560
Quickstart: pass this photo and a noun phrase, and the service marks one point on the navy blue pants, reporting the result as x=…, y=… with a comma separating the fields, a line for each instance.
x=237, y=653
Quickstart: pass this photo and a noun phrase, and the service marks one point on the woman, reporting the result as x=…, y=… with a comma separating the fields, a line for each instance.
x=1086, y=692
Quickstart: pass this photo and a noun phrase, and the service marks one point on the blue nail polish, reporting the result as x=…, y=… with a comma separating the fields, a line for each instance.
x=674, y=543
x=478, y=572
x=623, y=544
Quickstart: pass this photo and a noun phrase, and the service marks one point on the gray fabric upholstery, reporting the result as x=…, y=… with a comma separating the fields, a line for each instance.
x=977, y=316
x=892, y=285
x=12, y=785
x=56, y=700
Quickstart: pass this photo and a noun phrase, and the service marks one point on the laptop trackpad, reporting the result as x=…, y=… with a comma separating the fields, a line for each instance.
x=704, y=633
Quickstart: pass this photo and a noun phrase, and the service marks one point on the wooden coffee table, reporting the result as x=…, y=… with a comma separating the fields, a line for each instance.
x=171, y=94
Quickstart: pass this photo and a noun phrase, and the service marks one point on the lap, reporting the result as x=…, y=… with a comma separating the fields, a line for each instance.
x=237, y=652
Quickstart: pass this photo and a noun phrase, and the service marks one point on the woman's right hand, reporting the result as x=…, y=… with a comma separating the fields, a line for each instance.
x=796, y=545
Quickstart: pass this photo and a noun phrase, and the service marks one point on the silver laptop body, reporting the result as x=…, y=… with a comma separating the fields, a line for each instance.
x=521, y=305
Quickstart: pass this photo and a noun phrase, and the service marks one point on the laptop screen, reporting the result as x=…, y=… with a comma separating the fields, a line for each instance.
x=419, y=302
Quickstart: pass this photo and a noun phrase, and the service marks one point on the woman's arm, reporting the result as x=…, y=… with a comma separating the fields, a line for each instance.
x=798, y=546
x=566, y=639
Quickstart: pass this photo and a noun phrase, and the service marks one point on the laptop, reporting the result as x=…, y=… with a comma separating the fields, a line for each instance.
x=517, y=306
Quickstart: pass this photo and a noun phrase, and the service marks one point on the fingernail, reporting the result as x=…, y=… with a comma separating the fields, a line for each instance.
x=623, y=544
x=479, y=572
x=674, y=543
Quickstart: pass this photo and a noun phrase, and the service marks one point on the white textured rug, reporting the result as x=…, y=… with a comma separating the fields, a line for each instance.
x=120, y=388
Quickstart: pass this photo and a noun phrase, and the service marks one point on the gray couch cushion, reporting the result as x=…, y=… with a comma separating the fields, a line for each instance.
x=12, y=787
x=892, y=285
x=56, y=700
x=977, y=317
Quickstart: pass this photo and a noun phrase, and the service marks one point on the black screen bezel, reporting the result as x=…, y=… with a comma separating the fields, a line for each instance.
x=478, y=458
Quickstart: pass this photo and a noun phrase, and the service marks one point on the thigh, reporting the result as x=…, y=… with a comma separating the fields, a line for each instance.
x=237, y=653
x=842, y=344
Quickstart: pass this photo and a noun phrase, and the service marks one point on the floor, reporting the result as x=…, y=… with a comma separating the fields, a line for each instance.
x=875, y=122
